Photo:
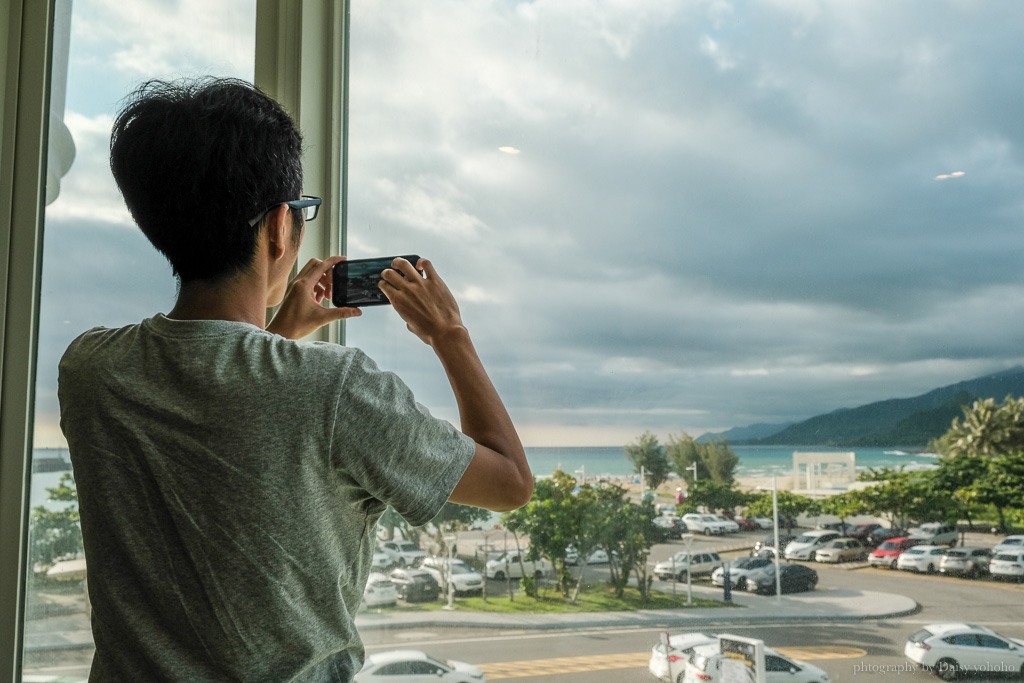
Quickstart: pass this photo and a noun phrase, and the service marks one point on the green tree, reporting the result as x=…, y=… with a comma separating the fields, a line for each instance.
x=843, y=505
x=56, y=533
x=552, y=521
x=720, y=460
x=987, y=429
x=648, y=454
x=628, y=532
x=790, y=505
x=715, y=495
x=900, y=496
x=682, y=452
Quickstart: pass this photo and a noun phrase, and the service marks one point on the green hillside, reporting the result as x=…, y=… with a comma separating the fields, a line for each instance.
x=897, y=422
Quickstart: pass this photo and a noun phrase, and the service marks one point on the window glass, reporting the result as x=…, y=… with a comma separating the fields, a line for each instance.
x=991, y=641
x=98, y=269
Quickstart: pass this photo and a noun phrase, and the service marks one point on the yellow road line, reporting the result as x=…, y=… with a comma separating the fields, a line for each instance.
x=567, y=665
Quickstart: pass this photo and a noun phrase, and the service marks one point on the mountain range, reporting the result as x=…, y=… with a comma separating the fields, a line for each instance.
x=894, y=422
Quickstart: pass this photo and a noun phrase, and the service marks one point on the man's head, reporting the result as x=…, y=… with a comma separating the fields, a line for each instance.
x=196, y=161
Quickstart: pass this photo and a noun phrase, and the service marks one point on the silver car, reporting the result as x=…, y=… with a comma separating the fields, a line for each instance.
x=965, y=561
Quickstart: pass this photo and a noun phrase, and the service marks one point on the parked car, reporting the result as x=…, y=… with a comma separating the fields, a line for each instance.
x=842, y=550
x=381, y=560
x=842, y=528
x=508, y=565
x=703, y=524
x=461, y=577
x=794, y=578
x=379, y=591
x=966, y=561
x=413, y=666
x=675, y=567
x=747, y=524
x=862, y=532
x=762, y=522
x=598, y=556
x=679, y=648
x=403, y=553
x=806, y=546
x=935, y=533
x=882, y=534
x=888, y=553
x=769, y=542
x=730, y=525
x=921, y=559
x=1008, y=565
x=705, y=663
x=738, y=571
x=1010, y=544
x=952, y=648
x=672, y=526
x=415, y=585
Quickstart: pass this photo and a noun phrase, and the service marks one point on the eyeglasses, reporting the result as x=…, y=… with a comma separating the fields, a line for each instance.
x=309, y=206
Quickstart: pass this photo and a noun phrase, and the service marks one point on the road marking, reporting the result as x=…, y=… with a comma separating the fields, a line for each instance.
x=821, y=652
x=564, y=665
x=567, y=665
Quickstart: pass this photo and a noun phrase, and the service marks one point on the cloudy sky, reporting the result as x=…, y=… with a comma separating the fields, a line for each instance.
x=668, y=215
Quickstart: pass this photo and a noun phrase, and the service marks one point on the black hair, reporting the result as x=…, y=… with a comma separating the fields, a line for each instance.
x=195, y=161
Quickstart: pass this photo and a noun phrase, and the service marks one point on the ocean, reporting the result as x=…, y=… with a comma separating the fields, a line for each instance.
x=597, y=461
x=755, y=461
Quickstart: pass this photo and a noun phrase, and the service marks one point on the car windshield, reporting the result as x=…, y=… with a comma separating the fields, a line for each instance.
x=889, y=545
x=956, y=553
x=915, y=551
x=1013, y=541
x=408, y=547
x=806, y=539
x=1003, y=557
x=459, y=569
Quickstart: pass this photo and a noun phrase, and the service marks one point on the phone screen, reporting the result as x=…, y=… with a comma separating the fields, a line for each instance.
x=355, y=281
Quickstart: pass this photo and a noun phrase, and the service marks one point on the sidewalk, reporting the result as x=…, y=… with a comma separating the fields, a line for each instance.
x=835, y=604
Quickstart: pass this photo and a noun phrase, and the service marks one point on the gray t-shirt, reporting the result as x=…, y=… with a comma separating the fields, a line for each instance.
x=229, y=483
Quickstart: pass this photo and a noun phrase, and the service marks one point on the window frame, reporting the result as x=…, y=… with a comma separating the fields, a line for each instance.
x=301, y=60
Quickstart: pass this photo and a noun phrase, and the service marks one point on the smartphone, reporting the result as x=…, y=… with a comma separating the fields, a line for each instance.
x=355, y=281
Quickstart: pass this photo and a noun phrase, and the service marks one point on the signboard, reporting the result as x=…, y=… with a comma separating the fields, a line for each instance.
x=742, y=659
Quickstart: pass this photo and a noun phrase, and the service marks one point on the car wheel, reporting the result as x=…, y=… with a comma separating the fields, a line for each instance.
x=401, y=562
x=681, y=576
x=500, y=576
x=973, y=574
x=707, y=532
x=892, y=565
x=931, y=568
x=538, y=575
x=814, y=556
x=741, y=583
x=947, y=669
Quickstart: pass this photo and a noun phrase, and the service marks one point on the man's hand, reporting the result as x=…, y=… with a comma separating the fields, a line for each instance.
x=302, y=311
x=425, y=304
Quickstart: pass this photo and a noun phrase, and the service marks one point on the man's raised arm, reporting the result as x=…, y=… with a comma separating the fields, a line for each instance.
x=498, y=477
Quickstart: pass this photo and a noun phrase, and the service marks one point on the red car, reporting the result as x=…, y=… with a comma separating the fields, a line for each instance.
x=747, y=524
x=886, y=554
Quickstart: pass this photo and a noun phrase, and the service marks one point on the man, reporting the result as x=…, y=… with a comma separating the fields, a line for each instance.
x=230, y=478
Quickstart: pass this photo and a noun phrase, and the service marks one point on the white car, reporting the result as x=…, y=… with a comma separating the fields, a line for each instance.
x=413, y=666
x=381, y=560
x=380, y=591
x=599, y=556
x=952, y=648
x=1010, y=544
x=739, y=569
x=507, y=565
x=703, y=524
x=675, y=567
x=964, y=561
x=461, y=577
x=806, y=546
x=1008, y=564
x=923, y=559
x=762, y=522
x=729, y=525
x=935, y=533
x=403, y=553
x=679, y=648
x=705, y=662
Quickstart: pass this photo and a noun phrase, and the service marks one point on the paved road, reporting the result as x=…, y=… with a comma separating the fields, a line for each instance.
x=859, y=651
